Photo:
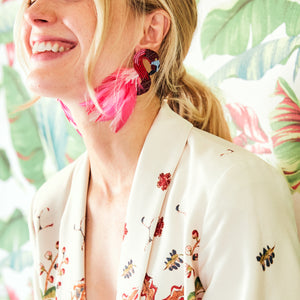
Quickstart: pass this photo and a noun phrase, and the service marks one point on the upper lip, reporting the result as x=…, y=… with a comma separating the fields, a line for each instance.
x=59, y=40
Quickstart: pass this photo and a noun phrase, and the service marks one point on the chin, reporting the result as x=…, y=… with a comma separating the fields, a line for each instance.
x=45, y=85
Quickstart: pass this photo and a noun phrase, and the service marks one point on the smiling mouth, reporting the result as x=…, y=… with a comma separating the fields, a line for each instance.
x=55, y=47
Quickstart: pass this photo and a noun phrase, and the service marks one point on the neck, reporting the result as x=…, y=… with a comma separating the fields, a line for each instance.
x=113, y=156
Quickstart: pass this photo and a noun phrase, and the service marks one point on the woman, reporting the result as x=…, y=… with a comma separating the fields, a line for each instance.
x=156, y=208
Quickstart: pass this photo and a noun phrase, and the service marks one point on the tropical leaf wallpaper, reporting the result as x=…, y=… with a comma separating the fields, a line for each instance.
x=247, y=51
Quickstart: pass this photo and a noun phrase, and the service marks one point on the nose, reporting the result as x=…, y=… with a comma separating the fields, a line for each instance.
x=40, y=13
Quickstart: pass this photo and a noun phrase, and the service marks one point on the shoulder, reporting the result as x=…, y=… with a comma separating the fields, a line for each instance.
x=218, y=156
x=230, y=176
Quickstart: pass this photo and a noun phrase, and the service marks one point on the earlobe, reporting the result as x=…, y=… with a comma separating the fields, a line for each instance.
x=156, y=27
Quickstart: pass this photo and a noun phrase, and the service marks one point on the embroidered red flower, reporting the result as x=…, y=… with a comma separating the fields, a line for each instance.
x=164, y=180
x=159, y=227
x=125, y=231
x=195, y=234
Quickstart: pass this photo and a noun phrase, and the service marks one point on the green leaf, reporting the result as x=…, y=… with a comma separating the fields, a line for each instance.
x=75, y=145
x=7, y=18
x=17, y=260
x=50, y=293
x=5, y=171
x=228, y=31
x=24, y=129
x=14, y=232
x=297, y=65
x=288, y=90
x=253, y=64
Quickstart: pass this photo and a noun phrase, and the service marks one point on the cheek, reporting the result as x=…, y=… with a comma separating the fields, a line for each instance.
x=25, y=37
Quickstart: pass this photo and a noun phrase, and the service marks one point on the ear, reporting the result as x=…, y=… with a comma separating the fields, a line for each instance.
x=156, y=27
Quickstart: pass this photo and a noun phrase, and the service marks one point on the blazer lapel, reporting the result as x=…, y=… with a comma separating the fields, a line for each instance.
x=72, y=230
x=157, y=162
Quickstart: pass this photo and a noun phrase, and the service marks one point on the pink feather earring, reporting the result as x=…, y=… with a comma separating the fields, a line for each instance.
x=117, y=93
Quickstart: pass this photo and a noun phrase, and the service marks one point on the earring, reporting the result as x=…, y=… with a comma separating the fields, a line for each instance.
x=117, y=93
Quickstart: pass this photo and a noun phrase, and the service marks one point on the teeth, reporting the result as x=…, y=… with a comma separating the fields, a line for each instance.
x=43, y=47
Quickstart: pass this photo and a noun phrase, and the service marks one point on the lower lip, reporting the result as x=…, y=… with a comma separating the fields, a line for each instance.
x=48, y=55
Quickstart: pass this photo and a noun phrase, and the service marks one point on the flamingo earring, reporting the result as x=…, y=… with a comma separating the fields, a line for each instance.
x=117, y=93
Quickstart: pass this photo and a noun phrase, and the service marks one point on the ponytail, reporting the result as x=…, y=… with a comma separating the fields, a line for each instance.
x=195, y=102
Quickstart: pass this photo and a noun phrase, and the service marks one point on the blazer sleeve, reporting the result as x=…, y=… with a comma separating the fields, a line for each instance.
x=249, y=244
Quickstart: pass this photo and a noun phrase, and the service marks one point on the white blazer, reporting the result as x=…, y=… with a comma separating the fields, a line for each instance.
x=205, y=220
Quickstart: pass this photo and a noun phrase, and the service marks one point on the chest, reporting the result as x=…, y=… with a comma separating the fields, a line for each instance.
x=104, y=236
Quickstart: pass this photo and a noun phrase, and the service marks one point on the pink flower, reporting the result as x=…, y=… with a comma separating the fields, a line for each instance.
x=51, y=279
x=66, y=260
x=188, y=250
x=48, y=255
x=164, y=180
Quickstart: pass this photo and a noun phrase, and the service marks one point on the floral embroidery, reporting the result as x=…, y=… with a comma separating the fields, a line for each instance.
x=39, y=218
x=228, y=151
x=159, y=227
x=198, y=294
x=178, y=209
x=50, y=292
x=190, y=250
x=149, y=228
x=149, y=289
x=177, y=293
x=80, y=228
x=164, y=180
x=133, y=296
x=59, y=267
x=173, y=262
x=125, y=231
x=128, y=270
x=189, y=270
x=79, y=291
x=266, y=258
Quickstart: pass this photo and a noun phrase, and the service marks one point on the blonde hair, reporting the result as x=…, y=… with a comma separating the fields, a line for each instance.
x=186, y=95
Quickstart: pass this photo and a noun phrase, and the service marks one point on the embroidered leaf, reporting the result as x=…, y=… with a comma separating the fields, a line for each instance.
x=266, y=258
x=50, y=293
x=254, y=63
x=173, y=262
x=128, y=271
x=228, y=31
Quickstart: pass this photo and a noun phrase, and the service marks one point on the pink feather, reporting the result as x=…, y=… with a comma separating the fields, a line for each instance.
x=68, y=115
x=116, y=97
